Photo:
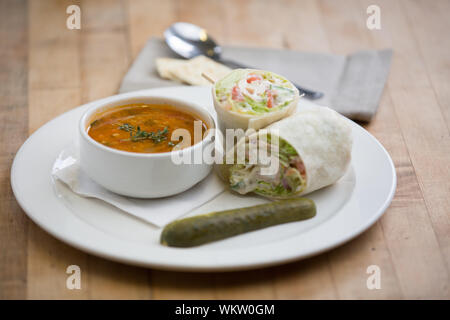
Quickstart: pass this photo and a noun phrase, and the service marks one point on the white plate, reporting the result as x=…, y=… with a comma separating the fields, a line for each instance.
x=344, y=210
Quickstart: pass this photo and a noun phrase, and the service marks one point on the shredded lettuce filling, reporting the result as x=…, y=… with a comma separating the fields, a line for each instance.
x=289, y=178
x=254, y=92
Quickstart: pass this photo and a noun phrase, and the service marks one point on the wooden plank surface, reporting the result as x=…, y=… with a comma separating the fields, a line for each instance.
x=13, y=132
x=47, y=69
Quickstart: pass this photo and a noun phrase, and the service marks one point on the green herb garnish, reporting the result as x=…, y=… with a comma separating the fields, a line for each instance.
x=127, y=127
x=94, y=123
x=136, y=134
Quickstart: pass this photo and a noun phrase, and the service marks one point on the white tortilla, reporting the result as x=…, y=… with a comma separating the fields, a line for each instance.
x=323, y=140
x=233, y=120
x=191, y=71
x=167, y=66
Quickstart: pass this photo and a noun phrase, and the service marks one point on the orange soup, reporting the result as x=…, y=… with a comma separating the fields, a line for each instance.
x=143, y=128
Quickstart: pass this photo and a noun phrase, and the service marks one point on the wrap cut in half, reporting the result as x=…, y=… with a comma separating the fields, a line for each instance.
x=312, y=149
x=249, y=98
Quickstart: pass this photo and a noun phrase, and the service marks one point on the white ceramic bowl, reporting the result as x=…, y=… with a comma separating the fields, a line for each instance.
x=142, y=175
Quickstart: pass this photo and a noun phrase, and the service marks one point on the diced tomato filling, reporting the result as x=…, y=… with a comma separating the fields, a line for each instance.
x=236, y=94
x=253, y=77
x=269, y=99
x=300, y=167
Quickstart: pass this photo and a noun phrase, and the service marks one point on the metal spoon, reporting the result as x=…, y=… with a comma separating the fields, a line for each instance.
x=189, y=41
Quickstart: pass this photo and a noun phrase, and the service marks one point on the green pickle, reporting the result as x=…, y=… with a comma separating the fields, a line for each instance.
x=219, y=225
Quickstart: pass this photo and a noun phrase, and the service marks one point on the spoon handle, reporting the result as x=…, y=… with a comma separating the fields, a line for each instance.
x=309, y=94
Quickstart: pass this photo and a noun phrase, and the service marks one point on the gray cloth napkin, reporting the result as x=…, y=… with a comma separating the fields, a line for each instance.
x=352, y=84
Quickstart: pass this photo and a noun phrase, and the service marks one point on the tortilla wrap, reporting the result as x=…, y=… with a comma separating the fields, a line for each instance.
x=232, y=120
x=229, y=119
x=322, y=139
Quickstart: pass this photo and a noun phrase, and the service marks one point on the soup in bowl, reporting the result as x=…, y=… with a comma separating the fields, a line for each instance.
x=127, y=146
x=144, y=128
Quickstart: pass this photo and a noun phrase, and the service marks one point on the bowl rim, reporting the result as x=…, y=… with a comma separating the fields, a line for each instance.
x=122, y=100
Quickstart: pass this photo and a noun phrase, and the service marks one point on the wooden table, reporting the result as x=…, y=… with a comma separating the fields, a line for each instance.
x=46, y=69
